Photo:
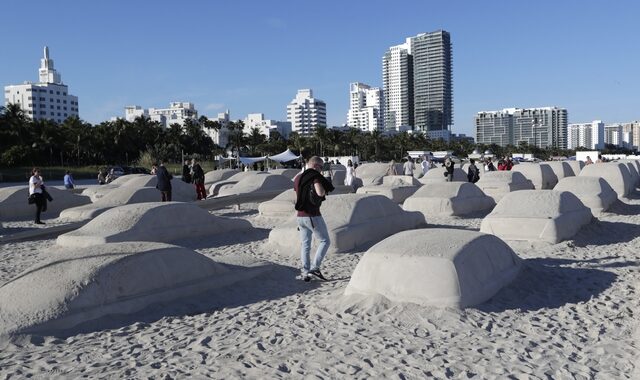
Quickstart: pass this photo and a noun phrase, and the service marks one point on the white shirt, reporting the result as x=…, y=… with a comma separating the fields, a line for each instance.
x=408, y=168
x=425, y=166
x=33, y=181
x=348, y=180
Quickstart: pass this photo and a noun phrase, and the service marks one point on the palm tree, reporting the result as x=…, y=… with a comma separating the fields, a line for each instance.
x=255, y=139
x=322, y=136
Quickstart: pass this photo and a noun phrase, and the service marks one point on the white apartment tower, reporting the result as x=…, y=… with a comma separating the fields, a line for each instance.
x=365, y=111
x=177, y=113
x=397, y=86
x=267, y=127
x=306, y=113
x=47, y=99
x=586, y=135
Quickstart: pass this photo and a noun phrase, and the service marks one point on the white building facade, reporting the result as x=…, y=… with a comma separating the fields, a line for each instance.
x=397, y=86
x=177, y=113
x=365, y=108
x=306, y=113
x=267, y=127
x=586, y=135
x=48, y=99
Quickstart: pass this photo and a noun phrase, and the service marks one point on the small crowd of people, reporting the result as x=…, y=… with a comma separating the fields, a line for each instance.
x=600, y=159
x=192, y=173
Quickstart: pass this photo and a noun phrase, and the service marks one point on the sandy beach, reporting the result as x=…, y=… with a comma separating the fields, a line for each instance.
x=571, y=313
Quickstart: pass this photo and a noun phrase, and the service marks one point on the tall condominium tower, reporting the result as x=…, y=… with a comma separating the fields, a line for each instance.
x=544, y=127
x=306, y=113
x=417, y=81
x=432, y=81
x=365, y=111
x=47, y=99
x=586, y=135
x=397, y=86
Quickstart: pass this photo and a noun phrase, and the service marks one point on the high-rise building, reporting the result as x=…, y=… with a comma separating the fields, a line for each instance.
x=397, y=86
x=432, y=81
x=47, y=99
x=613, y=134
x=544, y=127
x=586, y=135
x=633, y=128
x=365, y=111
x=306, y=113
x=177, y=113
x=417, y=81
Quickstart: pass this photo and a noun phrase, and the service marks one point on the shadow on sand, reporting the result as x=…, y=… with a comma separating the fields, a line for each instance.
x=546, y=284
x=621, y=208
x=280, y=281
x=600, y=232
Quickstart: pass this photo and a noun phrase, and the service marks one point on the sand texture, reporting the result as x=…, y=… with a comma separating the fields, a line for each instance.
x=14, y=205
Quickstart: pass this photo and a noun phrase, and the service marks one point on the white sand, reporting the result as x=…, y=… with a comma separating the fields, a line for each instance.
x=571, y=313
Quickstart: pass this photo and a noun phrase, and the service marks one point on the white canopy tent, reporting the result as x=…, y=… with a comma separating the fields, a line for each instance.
x=285, y=156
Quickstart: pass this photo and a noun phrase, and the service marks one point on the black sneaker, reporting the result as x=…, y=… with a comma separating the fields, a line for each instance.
x=317, y=273
x=39, y=222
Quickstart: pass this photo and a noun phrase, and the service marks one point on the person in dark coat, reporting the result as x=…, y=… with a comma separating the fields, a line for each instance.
x=186, y=172
x=198, y=179
x=164, y=182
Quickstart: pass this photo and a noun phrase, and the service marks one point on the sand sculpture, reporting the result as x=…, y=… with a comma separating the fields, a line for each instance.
x=616, y=174
x=289, y=173
x=576, y=166
x=257, y=183
x=560, y=168
x=396, y=187
x=635, y=177
x=219, y=175
x=124, y=195
x=497, y=184
x=448, y=198
x=338, y=177
x=436, y=175
x=14, y=204
x=79, y=285
x=280, y=206
x=541, y=175
x=215, y=187
x=353, y=220
x=537, y=215
x=159, y=222
x=136, y=180
x=436, y=267
x=593, y=192
x=371, y=173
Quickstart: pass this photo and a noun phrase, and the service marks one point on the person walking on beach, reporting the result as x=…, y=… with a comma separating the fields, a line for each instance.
x=425, y=164
x=449, y=166
x=326, y=169
x=68, y=180
x=164, y=182
x=350, y=174
x=36, y=194
x=391, y=170
x=186, y=172
x=473, y=173
x=198, y=179
x=311, y=188
x=408, y=167
x=101, y=177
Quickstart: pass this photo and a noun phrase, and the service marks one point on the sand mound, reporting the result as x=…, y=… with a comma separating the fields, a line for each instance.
x=560, y=168
x=541, y=175
x=258, y=183
x=594, y=192
x=215, y=187
x=436, y=175
x=338, y=177
x=126, y=178
x=158, y=222
x=289, y=173
x=280, y=206
x=576, y=166
x=635, y=177
x=448, y=198
x=86, y=284
x=438, y=267
x=616, y=174
x=497, y=184
x=353, y=220
x=396, y=187
x=537, y=215
x=125, y=195
x=97, y=192
x=14, y=205
x=218, y=175
x=146, y=180
x=371, y=173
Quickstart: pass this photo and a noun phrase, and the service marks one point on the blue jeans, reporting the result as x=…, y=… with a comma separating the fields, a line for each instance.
x=307, y=226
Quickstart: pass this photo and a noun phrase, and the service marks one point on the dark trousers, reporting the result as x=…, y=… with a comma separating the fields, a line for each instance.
x=201, y=193
x=40, y=205
x=166, y=196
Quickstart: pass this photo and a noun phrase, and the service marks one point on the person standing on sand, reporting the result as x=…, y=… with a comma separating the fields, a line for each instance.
x=449, y=165
x=588, y=161
x=311, y=188
x=408, y=166
x=164, y=182
x=391, y=170
x=198, y=179
x=36, y=193
x=350, y=174
x=186, y=172
x=68, y=180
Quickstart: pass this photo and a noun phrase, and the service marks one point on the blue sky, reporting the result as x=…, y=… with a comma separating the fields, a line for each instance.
x=252, y=56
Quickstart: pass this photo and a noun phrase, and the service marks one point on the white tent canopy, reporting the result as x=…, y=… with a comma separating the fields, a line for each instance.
x=285, y=156
x=252, y=160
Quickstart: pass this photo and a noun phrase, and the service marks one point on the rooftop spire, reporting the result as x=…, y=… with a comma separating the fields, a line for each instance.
x=47, y=73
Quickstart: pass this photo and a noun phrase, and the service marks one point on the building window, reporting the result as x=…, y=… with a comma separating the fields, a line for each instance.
x=65, y=115
x=64, y=93
x=58, y=107
x=64, y=101
x=64, y=108
x=51, y=91
x=57, y=100
x=53, y=113
x=57, y=92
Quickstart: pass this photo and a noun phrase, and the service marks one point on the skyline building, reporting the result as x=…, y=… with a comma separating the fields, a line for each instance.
x=365, y=108
x=544, y=127
x=586, y=135
x=306, y=113
x=48, y=99
x=267, y=127
x=417, y=81
x=633, y=128
x=177, y=113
